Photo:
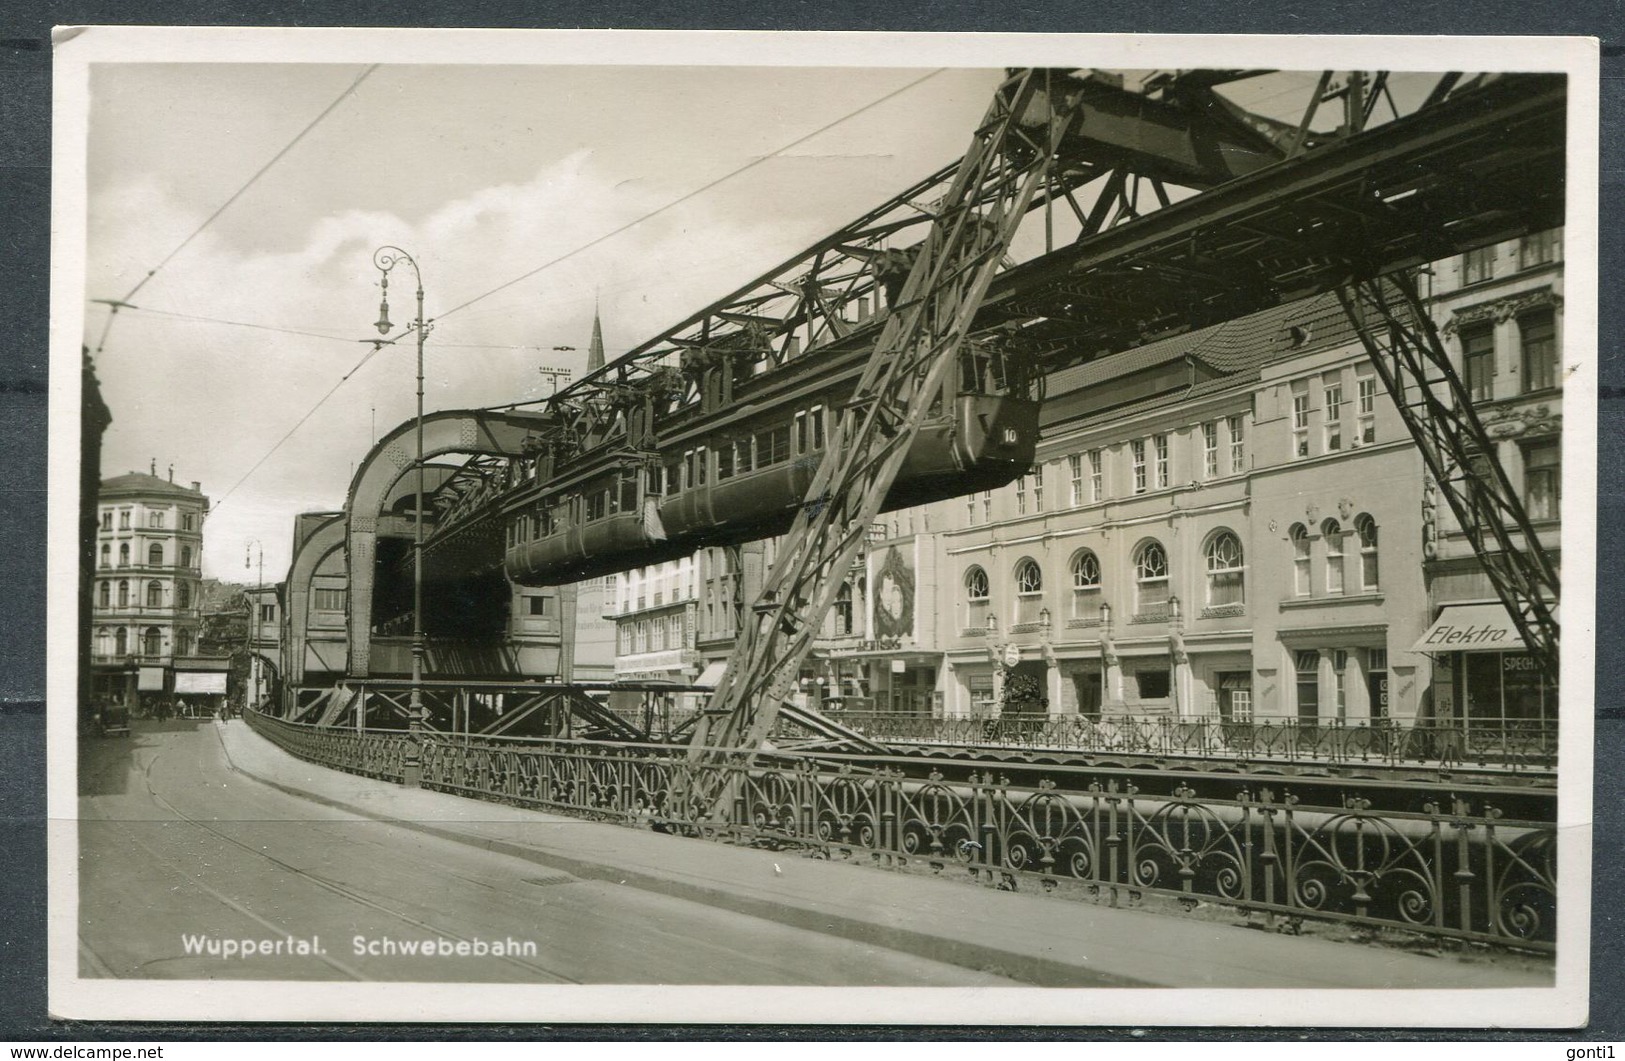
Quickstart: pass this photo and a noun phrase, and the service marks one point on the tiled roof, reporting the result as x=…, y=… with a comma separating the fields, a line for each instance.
x=140, y=484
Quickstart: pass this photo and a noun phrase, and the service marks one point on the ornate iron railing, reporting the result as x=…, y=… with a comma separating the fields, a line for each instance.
x=1445, y=870
x=1513, y=746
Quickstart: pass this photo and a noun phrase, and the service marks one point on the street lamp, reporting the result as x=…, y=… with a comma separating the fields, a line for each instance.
x=386, y=258
x=254, y=663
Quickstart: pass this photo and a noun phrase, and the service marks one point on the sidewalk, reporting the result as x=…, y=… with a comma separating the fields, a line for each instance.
x=1045, y=941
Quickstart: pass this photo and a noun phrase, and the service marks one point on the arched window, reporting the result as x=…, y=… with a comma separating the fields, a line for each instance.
x=107, y=554
x=152, y=642
x=1085, y=585
x=155, y=555
x=124, y=554
x=123, y=593
x=155, y=594
x=183, y=594
x=104, y=594
x=1029, y=591
x=1225, y=570
x=1300, y=559
x=843, y=610
x=976, y=598
x=104, y=641
x=121, y=642
x=183, y=642
x=1333, y=533
x=186, y=556
x=1366, y=528
x=1150, y=579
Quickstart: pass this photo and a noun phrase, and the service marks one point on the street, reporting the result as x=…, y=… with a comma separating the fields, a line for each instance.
x=183, y=859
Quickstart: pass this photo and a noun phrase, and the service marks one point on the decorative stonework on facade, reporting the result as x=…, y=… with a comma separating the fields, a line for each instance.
x=1502, y=309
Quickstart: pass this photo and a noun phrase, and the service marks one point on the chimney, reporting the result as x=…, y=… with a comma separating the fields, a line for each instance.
x=197, y=487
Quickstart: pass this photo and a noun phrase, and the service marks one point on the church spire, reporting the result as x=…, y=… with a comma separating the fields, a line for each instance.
x=595, y=349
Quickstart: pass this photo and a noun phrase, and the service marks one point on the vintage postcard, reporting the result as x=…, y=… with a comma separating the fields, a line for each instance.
x=861, y=528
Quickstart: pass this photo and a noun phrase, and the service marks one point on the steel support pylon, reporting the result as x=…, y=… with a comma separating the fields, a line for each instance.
x=1403, y=343
x=972, y=230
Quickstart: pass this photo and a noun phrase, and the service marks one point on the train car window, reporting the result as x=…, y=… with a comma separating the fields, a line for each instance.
x=651, y=480
x=674, y=477
x=597, y=504
x=701, y=459
x=815, y=419
x=772, y=446
x=742, y=463
x=629, y=491
x=801, y=432
x=725, y=461
x=688, y=470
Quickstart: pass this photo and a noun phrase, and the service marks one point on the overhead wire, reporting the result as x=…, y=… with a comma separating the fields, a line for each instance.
x=114, y=305
x=759, y=160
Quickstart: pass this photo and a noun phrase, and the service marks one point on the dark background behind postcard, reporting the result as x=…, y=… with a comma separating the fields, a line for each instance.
x=25, y=86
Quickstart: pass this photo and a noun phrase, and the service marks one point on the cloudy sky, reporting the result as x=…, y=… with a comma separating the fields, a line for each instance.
x=484, y=173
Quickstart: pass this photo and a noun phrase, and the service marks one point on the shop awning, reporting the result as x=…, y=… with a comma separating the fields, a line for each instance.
x=1471, y=628
x=211, y=683
x=712, y=673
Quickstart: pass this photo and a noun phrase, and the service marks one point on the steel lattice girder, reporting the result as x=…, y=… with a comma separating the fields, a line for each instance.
x=997, y=179
x=1400, y=337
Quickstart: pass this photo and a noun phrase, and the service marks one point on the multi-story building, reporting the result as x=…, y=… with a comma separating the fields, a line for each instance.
x=264, y=642
x=145, y=604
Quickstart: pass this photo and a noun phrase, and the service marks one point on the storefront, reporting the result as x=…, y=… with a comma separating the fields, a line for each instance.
x=1485, y=680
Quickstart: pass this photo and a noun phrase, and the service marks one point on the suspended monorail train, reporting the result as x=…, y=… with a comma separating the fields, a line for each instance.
x=735, y=463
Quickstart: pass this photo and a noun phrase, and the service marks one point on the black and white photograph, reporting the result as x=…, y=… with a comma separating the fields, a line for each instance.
x=860, y=528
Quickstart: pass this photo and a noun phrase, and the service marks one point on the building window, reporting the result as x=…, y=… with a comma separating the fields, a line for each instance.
x=107, y=520
x=1333, y=396
x=1021, y=496
x=844, y=626
x=1340, y=666
x=1161, y=443
x=124, y=554
x=104, y=595
x=327, y=600
x=152, y=642
x=1085, y=585
x=1368, y=408
x=155, y=594
x=1505, y=691
x=1238, y=445
x=1543, y=479
x=1235, y=696
x=1542, y=248
x=124, y=520
x=123, y=594
x=1333, y=533
x=183, y=595
x=1150, y=579
x=1478, y=265
x=186, y=556
x=1075, y=466
x=1029, y=591
x=1038, y=488
x=155, y=520
x=268, y=611
x=1097, y=476
x=1376, y=678
x=1365, y=528
x=970, y=510
x=188, y=521
x=1225, y=581
x=987, y=506
x=976, y=597
x=1137, y=448
x=1300, y=559
x=1308, y=673
x=107, y=555
x=155, y=555
x=183, y=642
x=1210, y=448
x=1478, y=353
x=1538, y=332
x=121, y=641
x=1300, y=423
